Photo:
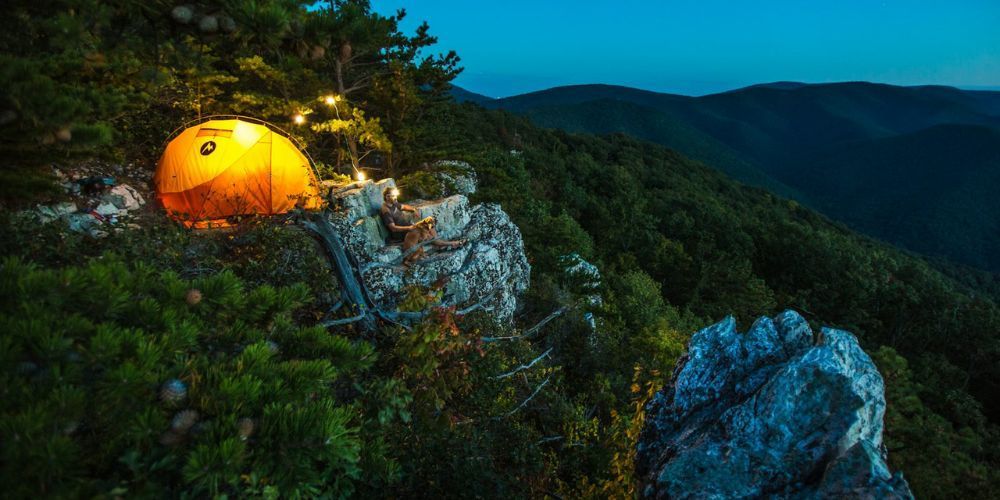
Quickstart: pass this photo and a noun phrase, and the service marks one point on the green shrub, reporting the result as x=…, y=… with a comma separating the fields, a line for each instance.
x=127, y=382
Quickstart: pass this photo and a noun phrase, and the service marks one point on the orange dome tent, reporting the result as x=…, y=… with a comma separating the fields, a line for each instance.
x=233, y=166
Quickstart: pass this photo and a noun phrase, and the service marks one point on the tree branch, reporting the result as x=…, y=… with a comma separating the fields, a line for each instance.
x=477, y=305
x=344, y=321
x=548, y=440
x=495, y=339
x=526, y=401
x=524, y=367
x=555, y=314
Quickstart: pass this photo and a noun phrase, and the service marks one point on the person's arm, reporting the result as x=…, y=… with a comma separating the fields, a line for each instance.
x=391, y=224
x=408, y=208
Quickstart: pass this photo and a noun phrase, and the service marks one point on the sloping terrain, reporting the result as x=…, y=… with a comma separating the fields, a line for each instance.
x=809, y=142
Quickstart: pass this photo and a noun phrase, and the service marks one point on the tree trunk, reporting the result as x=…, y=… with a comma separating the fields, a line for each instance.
x=351, y=288
x=343, y=58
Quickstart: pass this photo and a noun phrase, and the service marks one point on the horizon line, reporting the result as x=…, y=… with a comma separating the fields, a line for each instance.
x=972, y=88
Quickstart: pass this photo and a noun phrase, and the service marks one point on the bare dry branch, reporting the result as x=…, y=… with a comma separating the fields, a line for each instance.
x=344, y=321
x=555, y=314
x=496, y=339
x=530, y=331
x=524, y=367
x=526, y=401
x=548, y=439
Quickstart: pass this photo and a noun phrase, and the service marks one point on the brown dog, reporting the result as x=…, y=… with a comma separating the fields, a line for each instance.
x=422, y=231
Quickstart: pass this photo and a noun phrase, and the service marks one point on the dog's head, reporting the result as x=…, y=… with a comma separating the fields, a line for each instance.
x=427, y=222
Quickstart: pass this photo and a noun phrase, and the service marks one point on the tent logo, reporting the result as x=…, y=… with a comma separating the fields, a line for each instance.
x=207, y=148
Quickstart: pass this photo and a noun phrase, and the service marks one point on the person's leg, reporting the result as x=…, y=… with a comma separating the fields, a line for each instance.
x=448, y=243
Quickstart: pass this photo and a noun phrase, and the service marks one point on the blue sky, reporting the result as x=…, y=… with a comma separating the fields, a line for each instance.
x=698, y=47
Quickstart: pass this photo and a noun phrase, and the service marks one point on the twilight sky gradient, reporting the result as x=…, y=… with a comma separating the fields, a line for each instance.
x=698, y=47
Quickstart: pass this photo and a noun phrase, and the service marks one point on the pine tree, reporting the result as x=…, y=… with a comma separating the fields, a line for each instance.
x=117, y=382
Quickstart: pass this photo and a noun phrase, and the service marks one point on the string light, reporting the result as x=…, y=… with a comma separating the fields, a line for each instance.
x=299, y=119
x=330, y=100
x=361, y=176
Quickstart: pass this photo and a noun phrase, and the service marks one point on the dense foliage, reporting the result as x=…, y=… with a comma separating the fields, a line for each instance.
x=98, y=329
x=908, y=165
x=718, y=248
x=134, y=382
x=112, y=78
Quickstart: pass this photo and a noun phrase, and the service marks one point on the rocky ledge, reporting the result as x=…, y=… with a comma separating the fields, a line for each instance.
x=776, y=412
x=489, y=272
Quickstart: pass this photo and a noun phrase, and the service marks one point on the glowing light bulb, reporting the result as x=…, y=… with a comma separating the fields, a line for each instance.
x=395, y=191
x=361, y=176
x=330, y=100
x=299, y=119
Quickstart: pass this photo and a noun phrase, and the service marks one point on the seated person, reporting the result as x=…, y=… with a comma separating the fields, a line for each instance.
x=394, y=216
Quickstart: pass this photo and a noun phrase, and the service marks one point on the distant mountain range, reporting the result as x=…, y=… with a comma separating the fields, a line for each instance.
x=916, y=166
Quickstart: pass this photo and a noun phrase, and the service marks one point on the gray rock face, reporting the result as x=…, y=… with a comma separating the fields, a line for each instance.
x=442, y=178
x=584, y=279
x=772, y=412
x=491, y=268
x=457, y=177
x=92, y=214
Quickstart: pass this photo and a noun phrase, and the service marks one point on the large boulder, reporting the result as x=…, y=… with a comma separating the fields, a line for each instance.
x=777, y=411
x=491, y=269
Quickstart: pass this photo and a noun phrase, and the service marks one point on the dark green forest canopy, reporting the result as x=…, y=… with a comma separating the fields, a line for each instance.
x=421, y=412
x=719, y=248
x=908, y=165
x=85, y=77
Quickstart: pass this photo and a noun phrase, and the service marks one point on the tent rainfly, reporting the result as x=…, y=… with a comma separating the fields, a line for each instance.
x=226, y=167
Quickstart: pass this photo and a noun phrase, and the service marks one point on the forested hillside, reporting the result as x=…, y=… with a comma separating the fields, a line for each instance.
x=809, y=142
x=716, y=248
x=159, y=360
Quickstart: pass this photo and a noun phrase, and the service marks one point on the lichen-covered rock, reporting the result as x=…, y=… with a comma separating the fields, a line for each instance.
x=773, y=412
x=441, y=179
x=458, y=177
x=491, y=268
x=584, y=279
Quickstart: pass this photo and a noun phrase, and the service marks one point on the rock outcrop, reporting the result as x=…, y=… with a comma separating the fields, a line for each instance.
x=93, y=211
x=440, y=179
x=584, y=279
x=491, y=269
x=777, y=411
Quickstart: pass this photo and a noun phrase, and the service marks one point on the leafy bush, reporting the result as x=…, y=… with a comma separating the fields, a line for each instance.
x=127, y=381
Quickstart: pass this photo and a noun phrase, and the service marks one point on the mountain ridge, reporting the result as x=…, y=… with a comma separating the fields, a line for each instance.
x=778, y=84
x=776, y=135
